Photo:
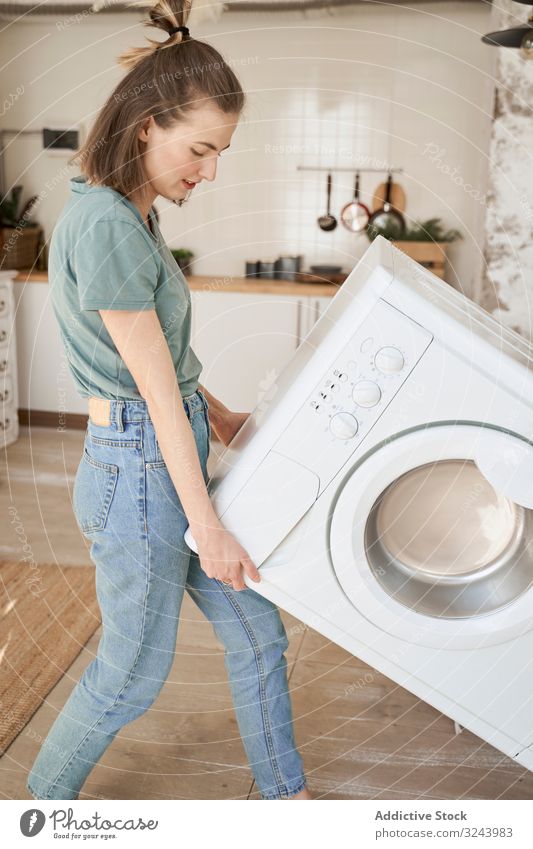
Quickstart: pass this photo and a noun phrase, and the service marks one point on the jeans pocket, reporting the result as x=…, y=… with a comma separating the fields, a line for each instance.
x=206, y=415
x=94, y=488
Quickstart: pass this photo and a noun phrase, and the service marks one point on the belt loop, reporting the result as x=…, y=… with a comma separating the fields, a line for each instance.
x=119, y=419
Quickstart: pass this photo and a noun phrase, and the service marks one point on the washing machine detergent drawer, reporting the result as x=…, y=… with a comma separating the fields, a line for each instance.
x=277, y=495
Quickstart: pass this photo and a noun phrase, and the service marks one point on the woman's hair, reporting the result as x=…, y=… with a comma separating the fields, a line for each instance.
x=167, y=80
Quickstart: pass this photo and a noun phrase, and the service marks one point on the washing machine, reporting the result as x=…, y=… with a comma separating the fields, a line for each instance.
x=384, y=488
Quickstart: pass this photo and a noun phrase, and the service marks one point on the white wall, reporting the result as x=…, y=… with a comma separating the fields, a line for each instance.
x=411, y=87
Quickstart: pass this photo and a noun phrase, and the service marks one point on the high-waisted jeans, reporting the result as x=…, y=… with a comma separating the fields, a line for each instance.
x=126, y=504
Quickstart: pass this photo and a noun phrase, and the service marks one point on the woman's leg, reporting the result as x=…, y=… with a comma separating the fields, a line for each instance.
x=250, y=628
x=141, y=564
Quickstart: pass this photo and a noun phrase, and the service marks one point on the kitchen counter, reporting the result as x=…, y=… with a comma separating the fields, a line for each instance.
x=227, y=283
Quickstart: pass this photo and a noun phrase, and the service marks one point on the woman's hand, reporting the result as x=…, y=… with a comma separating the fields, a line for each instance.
x=223, y=558
x=226, y=426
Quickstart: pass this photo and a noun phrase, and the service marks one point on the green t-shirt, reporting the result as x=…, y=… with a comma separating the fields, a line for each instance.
x=103, y=256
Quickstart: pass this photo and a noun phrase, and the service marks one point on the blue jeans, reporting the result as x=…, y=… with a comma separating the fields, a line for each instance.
x=126, y=504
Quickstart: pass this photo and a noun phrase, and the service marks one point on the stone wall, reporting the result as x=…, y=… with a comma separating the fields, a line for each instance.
x=507, y=285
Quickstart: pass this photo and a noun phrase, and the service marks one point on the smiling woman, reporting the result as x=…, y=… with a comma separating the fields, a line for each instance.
x=124, y=312
x=178, y=93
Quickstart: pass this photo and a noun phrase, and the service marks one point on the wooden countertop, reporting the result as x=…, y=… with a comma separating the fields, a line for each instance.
x=228, y=283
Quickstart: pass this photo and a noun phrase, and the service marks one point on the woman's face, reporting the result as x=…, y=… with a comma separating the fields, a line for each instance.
x=177, y=158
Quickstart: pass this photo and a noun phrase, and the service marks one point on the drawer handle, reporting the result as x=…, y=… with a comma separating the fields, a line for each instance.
x=5, y=424
x=4, y=396
x=2, y=306
x=3, y=365
x=3, y=336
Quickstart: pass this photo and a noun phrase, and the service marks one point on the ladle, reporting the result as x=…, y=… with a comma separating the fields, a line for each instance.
x=327, y=221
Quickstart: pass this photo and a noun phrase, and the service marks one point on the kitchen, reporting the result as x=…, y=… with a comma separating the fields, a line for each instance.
x=357, y=90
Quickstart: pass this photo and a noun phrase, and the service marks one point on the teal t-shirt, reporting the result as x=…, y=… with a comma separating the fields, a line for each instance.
x=103, y=256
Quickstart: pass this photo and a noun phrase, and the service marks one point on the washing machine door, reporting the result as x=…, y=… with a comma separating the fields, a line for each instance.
x=431, y=536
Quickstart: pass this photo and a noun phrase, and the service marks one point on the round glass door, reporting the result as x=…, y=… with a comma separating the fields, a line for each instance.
x=431, y=535
x=440, y=540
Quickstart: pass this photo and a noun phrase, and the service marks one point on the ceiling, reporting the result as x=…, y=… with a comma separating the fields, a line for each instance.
x=22, y=9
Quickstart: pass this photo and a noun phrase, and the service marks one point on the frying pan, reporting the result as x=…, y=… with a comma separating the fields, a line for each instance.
x=387, y=217
x=327, y=221
x=355, y=215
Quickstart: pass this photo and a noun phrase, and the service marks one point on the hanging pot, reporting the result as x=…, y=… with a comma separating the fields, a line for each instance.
x=387, y=218
x=355, y=215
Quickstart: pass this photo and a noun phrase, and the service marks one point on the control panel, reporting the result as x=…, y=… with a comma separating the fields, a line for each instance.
x=354, y=391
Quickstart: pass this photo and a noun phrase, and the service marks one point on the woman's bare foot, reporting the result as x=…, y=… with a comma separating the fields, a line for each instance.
x=303, y=794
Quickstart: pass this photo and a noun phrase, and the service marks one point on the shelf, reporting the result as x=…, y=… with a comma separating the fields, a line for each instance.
x=225, y=283
x=352, y=169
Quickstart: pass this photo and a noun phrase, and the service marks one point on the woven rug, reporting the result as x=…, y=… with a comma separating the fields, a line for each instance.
x=48, y=614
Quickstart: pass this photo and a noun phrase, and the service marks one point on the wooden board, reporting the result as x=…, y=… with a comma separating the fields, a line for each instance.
x=307, y=277
x=398, y=198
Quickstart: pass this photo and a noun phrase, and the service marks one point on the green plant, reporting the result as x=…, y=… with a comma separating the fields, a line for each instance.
x=181, y=253
x=183, y=257
x=421, y=231
x=10, y=214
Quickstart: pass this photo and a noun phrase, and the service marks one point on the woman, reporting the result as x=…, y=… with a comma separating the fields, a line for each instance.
x=124, y=313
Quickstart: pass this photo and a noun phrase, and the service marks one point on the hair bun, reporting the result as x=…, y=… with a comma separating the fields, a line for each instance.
x=165, y=15
x=184, y=30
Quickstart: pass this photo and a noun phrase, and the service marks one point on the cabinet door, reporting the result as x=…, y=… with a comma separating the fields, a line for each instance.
x=309, y=310
x=44, y=378
x=322, y=304
x=243, y=342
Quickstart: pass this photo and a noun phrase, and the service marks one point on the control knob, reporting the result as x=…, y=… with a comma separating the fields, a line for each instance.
x=343, y=425
x=366, y=393
x=389, y=360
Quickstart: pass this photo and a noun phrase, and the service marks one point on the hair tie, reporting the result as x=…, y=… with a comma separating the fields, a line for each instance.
x=184, y=30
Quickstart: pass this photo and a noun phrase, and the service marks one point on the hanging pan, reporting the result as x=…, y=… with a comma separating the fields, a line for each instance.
x=387, y=218
x=355, y=215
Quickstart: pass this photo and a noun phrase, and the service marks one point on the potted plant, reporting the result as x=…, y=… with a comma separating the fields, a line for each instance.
x=183, y=257
x=424, y=241
x=19, y=235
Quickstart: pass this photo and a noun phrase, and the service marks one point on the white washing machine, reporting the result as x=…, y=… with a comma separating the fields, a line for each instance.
x=384, y=486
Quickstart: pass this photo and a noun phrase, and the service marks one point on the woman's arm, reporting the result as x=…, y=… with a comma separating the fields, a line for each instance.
x=217, y=411
x=142, y=345
x=224, y=422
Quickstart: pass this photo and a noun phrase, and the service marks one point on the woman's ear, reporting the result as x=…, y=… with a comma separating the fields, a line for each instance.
x=144, y=128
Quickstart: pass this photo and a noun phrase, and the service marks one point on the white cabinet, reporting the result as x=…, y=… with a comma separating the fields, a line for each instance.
x=243, y=342
x=9, y=423
x=45, y=381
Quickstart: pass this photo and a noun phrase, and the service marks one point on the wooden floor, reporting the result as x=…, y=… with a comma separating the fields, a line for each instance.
x=360, y=735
